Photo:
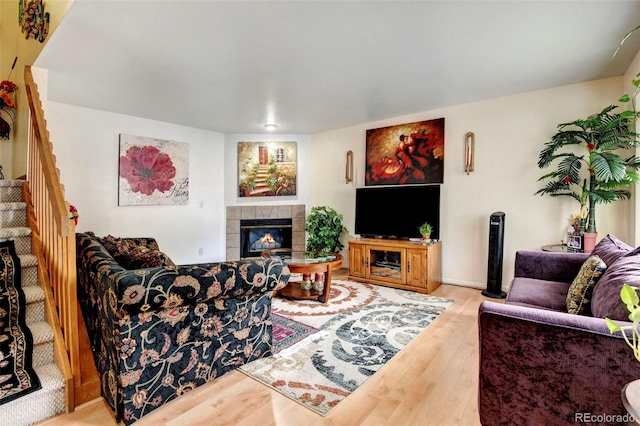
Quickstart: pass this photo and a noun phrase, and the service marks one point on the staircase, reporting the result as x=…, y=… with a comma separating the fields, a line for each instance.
x=261, y=181
x=50, y=399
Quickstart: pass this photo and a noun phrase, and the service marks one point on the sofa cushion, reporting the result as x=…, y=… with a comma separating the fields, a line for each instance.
x=606, y=294
x=581, y=289
x=131, y=255
x=141, y=257
x=538, y=293
x=610, y=249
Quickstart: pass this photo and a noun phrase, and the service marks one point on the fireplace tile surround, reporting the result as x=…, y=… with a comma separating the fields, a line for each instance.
x=236, y=213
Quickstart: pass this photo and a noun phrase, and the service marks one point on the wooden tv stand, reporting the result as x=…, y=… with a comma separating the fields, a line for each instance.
x=396, y=263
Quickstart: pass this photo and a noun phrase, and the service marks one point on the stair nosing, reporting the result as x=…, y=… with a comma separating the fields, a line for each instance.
x=13, y=205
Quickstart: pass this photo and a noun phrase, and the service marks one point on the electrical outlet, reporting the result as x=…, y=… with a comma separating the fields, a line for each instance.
x=200, y=251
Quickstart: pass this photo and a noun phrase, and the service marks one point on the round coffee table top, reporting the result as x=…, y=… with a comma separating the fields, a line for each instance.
x=303, y=258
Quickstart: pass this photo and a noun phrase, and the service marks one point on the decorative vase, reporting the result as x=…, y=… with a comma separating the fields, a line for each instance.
x=305, y=285
x=589, y=241
x=318, y=284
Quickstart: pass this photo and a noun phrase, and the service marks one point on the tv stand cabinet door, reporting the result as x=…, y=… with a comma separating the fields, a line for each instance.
x=356, y=260
x=425, y=267
x=417, y=268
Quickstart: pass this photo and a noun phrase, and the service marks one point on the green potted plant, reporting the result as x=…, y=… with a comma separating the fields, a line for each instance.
x=589, y=165
x=425, y=230
x=630, y=298
x=324, y=227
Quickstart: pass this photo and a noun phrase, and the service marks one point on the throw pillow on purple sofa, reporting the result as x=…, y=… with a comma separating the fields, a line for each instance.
x=610, y=249
x=581, y=289
x=606, y=294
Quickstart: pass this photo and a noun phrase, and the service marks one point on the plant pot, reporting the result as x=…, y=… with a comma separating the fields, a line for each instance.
x=589, y=241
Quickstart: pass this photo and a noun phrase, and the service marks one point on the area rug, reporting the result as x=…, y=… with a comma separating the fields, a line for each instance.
x=288, y=334
x=362, y=327
x=17, y=377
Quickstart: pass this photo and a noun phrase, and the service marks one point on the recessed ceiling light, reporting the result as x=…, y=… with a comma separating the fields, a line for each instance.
x=270, y=127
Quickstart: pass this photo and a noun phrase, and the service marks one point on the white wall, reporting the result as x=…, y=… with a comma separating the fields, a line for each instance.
x=631, y=74
x=86, y=145
x=87, y=150
x=231, y=169
x=510, y=133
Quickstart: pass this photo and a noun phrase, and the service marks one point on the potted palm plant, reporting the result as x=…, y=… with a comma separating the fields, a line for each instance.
x=589, y=166
x=324, y=227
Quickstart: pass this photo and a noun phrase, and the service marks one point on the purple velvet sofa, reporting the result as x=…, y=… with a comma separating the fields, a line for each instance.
x=539, y=364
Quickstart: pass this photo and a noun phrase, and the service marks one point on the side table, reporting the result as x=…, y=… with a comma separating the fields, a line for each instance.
x=631, y=400
x=555, y=247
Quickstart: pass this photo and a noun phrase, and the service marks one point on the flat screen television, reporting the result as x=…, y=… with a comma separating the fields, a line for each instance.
x=397, y=211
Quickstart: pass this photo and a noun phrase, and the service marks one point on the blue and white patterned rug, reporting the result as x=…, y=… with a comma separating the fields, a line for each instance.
x=362, y=327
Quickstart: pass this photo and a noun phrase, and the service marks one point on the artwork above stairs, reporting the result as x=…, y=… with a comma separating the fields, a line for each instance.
x=50, y=399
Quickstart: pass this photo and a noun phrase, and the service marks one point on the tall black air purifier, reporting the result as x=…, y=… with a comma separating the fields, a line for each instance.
x=494, y=267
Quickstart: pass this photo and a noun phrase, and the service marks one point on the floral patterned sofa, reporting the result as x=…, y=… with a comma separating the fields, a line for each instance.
x=158, y=332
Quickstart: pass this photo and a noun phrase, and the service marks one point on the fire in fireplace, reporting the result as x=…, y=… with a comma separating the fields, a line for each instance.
x=257, y=235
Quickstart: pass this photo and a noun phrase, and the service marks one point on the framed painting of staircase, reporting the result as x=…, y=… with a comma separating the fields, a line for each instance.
x=267, y=169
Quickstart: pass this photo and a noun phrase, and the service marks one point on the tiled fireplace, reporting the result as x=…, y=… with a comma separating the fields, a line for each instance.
x=254, y=214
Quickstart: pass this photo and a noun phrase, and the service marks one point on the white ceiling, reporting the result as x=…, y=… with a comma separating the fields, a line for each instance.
x=310, y=66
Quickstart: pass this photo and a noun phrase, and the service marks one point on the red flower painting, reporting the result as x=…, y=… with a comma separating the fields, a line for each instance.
x=147, y=169
x=411, y=153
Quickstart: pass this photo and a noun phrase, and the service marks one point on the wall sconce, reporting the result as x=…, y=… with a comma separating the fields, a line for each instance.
x=469, y=151
x=348, y=172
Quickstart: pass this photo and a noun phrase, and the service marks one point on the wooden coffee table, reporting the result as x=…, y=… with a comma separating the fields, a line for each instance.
x=306, y=262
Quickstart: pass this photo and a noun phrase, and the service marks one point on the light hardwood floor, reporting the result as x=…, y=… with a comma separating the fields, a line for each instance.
x=433, y=381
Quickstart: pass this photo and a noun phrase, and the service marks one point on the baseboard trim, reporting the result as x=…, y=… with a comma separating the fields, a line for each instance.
x=472, y=284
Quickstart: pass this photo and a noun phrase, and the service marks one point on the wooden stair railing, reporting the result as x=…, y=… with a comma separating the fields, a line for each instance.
x=53, y=242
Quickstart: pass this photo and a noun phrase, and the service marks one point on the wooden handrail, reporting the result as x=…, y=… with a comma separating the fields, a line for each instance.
x=53, y=243
x=59, y=210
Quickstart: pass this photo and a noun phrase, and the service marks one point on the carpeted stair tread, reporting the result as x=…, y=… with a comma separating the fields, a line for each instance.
x=10, y=191
x=34, y=297
x=10, y=183
x=14, y=205
x=50, y=376
x=39, y=405
x=29, y=264
x=41, y=332
x=13, y=214
x=28, y=260
x=33, y=294
x=21, y=236
x=42, y=343
x=14, y=232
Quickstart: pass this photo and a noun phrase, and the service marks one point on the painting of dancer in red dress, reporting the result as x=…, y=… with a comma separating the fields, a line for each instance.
x=410, y=153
